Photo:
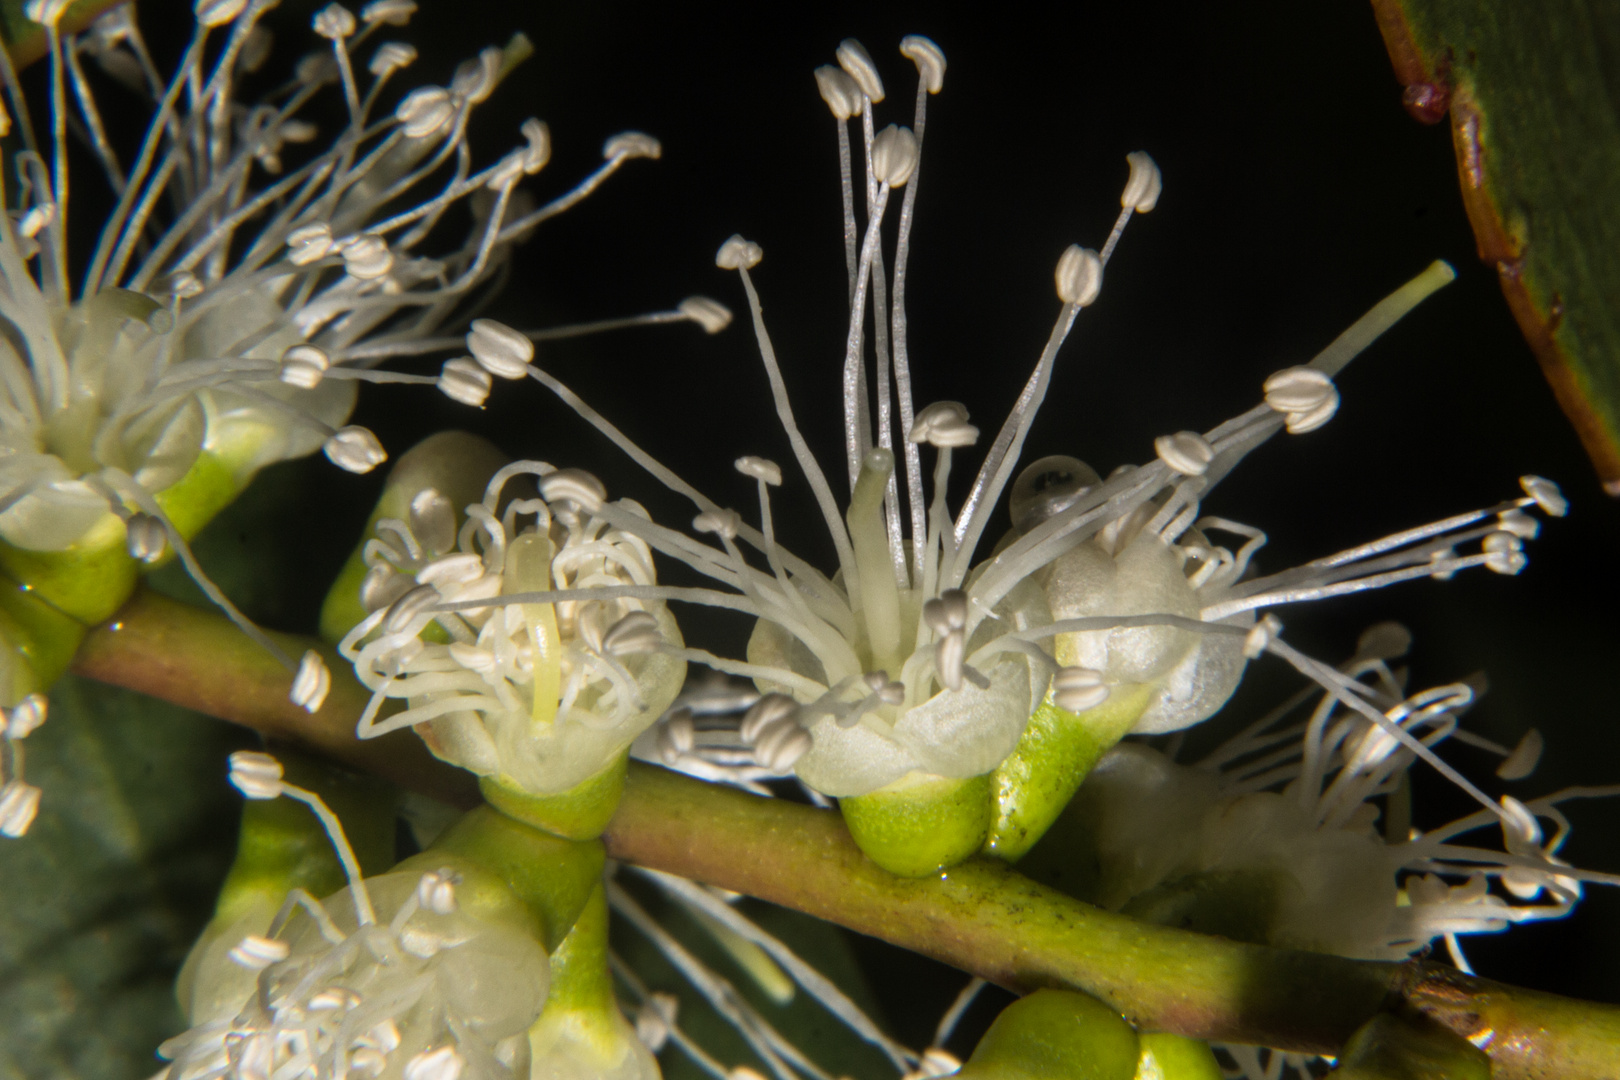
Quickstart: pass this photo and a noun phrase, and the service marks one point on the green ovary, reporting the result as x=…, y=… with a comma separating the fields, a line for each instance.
x=1055, y=753
x=1055, y=1033
x=921, y=823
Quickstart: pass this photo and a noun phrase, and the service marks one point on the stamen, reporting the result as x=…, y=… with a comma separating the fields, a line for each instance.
x=857, y=62
x=354, y=449
x=312, y=683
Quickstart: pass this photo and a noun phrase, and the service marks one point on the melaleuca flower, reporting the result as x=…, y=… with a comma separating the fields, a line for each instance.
x=426, y=975
x=250, y=275
x=915, y=669
x=1299, y=832
x=540, y=692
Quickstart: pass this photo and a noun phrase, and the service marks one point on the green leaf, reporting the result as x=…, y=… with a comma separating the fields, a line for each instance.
x=1533, y=92
x=102, y=897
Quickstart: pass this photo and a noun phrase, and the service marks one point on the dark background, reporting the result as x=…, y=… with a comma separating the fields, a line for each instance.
x=1297, y=193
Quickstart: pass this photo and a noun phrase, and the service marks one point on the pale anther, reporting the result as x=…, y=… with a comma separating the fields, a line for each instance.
x=392, y=12
x=944, y=424
x=936, y=1062
x=334, y=21
x=312, y=683
x=654, y=1018
x=457, y=569
x=507, y=172
x=1079, y=275
x=46, y=12
x=256, y=775
x=473, y=658
x=1143, y=187
x=218, y=12
x=19, y=803
x=887, y=690
x=433, y=521
x=632, y=144
x=440, y=1064
x=1518, y=523
x=381, y=586
x=425, y=111
x=256, y=953
x=316, y=69
x=947, y=612
x=853, y=58
x=1258, y=639
x=637, y=632
x=474, y=80
x=1546, y=494
x=1503, y=553
x=465, y=380
x=1076, y=689
x=538, y=152
x=391, y=56
x=366, y=257
x=309, y=243
x=355, y=449
x=928, y=57
x=760, y=469
x=1524, y=758
x=767, y=710
x=1185, y=452
x=23, y=718
x=500, y=349
x=712, y=315
x=781, y=743
x=1307, y=398
x=145, y=538
x=436, y=891
x=737, y=253
x=184, y=285
x=724, y=523
x=576, y=486
x=839, y=91
x=676, y=736
x=39, y=215
x=894, y=156
x=405, y=610
x=304, y=366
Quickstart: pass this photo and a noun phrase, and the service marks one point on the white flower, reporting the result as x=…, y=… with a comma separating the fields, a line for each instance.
x=232, y=301
x=1303, y=828
x=531, y=644
x=431, y=975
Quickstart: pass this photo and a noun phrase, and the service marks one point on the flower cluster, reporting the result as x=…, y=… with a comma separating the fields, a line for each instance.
x=247, y=279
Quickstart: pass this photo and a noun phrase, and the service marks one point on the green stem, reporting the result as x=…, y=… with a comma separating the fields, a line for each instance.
x=981, y=916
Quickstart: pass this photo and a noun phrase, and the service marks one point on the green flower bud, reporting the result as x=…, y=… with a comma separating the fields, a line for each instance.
x=1055, y=1033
